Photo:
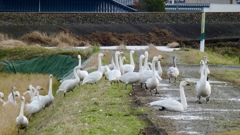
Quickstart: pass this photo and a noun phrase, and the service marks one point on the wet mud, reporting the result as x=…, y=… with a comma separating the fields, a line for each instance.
x=219, y=116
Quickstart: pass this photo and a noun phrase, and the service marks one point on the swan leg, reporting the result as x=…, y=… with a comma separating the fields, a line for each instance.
x=126, y=87
x=156, y=92
x=169, y=80
x=199, y=98
x=64, y=94
x=207, y=99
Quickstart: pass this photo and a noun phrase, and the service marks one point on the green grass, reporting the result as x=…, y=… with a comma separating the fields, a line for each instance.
x=91, y=109
x=227, y=75
x=195, y=56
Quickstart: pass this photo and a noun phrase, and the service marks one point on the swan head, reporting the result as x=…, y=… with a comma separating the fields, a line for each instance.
x=50, y=76
x=17, y=94
x=142, y=56
x=39, y=88
x=201, y=62
x=132, y=51
x=160, y=57
x=22, y=98
x=101, y=55
x=79, y=56
x=184, y=83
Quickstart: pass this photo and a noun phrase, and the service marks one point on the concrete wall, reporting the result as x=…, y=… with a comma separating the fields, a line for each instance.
x=114, y=18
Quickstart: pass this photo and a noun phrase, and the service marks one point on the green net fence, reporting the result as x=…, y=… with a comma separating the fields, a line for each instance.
x=61, y=66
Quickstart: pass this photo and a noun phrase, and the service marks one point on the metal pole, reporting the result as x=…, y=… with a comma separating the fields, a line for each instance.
x=202, y=41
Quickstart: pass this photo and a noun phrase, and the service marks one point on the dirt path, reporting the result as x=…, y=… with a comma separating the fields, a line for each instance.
x=220, y=116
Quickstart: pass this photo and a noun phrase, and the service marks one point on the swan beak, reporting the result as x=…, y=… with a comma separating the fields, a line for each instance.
x=41, y=89
x=188, y=84
x=3, y=98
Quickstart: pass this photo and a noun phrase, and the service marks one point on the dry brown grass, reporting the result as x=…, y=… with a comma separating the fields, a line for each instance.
x=9, y=112
x=3, y=37
x=153, y=51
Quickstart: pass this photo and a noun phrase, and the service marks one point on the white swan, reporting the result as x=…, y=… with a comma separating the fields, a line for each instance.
x=152, y=83
x=48, y=99
x=12, y=97
x=132, y=77
x=21, y=120
x=95, y=76
x=36, y=105
x=115, y=74
x=203, y=87
x=69, y=84
x=129, y=67
x=121, y=60
x=145, y=74
x=173, y=71
x=171, y=104
x=81, y=73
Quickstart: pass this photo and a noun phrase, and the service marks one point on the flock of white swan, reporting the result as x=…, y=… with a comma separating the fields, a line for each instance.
x=147, y=75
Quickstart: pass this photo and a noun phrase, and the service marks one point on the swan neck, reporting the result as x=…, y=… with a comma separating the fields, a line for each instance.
x=183, y=97
x=146, y=61
x=159, y=65
x=13, y=96
x=22, y=108
x=140, y=65
x=116, y=61
x=174, y=62
x=50, y=86
x=79, y=62
x=99, y=64
x=131, y=59
x=75, y=75
x=205, y=71
x=153, y=68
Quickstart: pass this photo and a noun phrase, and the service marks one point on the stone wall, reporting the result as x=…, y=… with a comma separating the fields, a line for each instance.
x=114, y=18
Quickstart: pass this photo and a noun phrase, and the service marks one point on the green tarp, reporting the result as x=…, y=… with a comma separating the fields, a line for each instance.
x=61, y=66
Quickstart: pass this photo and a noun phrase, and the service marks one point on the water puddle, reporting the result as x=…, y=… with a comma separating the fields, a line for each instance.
x=186, y=117
x=195, y=80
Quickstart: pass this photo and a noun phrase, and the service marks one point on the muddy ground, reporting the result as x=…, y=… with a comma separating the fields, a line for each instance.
x=219, y=116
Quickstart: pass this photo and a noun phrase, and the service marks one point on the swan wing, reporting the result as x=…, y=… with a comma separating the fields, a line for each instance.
x=92, y=77
x=168, y=104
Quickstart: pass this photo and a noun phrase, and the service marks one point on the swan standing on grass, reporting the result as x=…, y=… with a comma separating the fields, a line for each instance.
x=115, y=74
x=202, y=66
x=173, y=71
x=152, y=83
x=48, y=99
x=173, y=105
x=21, y=120
x=81, y=73
x=129, y=67
x=203, y=87
x=12, y=97
x=69, y=84
x=146, y=67
x=111, y=66
x=95, y=76
x=132, y=77
x=36, y=105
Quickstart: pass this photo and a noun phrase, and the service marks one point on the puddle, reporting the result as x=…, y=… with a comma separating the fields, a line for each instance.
x=190, y=133
x=184, y=117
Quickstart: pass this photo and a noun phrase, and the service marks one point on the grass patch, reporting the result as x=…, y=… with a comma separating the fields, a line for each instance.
x=90, y=109
x=227, y=75
x=195, y=56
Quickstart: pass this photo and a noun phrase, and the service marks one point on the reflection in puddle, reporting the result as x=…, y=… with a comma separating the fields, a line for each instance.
x=178, y=117
x=190, y=132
